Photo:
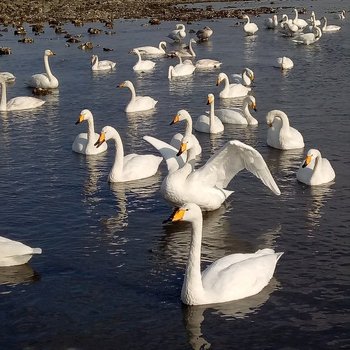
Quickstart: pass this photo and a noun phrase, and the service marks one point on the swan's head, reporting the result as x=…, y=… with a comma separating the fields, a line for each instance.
x=246, y=17
x=180, y=26
x=311, y=155
x=221, y=77
x=210, y=99
x=275, y=116
x=94, y=58
x=105, y=134
x=193, y=41
x=49, y=53
x=188, y=212
x=126, y=83
x=182, y=114
x=250, y=100
x=270, y=117
x=249, y=73
x=85, y=114
x=185, y=145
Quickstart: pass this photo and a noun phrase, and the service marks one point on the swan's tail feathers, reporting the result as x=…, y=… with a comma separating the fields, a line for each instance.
x=37, y=251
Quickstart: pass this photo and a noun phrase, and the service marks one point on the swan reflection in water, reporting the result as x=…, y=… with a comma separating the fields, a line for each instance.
x=13, y=275
x=193, y=316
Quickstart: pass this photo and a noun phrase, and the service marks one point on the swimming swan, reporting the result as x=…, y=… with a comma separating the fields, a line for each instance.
x=177, y=138
x=84, y=142
x=137, y=103
x=187, y=53
x=249, y=28
x=271, y=23
x=329, y=28
x=13, y=253
x=284, y=63
x=232, y=277
x=238, y=115
x=17, y=103
x=181, y=69
x=142, y=65
x=179, y=33
x=204, y=34
x=308, y=38
x=152, y=50
x=101, y=65
x=206, y=186
x=209, y=124
x=231, y=90
x=45, y=80
x=315, y=170
x=246, y=77
x=313, y=20
x=131, y=167
x=280, y=134
x=207, y=63
x=301, y=23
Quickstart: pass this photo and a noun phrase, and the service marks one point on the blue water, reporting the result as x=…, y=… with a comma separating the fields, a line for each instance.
x=110, y=274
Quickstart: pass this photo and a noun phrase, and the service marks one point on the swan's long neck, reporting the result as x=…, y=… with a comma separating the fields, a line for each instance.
x=133, y=92
x=47, y=67
x=188, y=129
x=296, y=14
x=247, y=114
x=170, y=72
x=91, y=131
x=211, y=117
x=95, y=62
x=192, y=285
x=285, y=122
x=226, y=83
x=318, y=161
x=3, y=101
x=248, y=19
x=325, y=23
x=180, y=59
x=117, y=167
x=193, y=54
x=139, y=56
x=161, y=46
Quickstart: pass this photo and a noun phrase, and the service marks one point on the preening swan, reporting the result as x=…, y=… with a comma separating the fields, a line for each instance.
x=315, y=170
x=45, y=80
x=131, y=167
x=101, y=65
x=271, y=23
x=177, y=138
x=284, y=63
x=249, y=28
x=7, y=76
x=232, y=277
x=13, y=253
x=206, y=186
x=204, y=34
x=301, y=23
x=152, y=50
x=238, y=115
x=280, y=134
x=84, y=142
x=209, y=124
x=329, y=28
x=142, y=65
x=181, y=69
x=308, y=38
x=179, y=33
x=231, y=90
x=246, y=77
x=137, y=103
x=17, y=103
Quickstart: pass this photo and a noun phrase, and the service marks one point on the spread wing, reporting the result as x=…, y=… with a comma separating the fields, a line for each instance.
x=233, y=157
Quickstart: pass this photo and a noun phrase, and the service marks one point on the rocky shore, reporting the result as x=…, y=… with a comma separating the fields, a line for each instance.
x=16, y=12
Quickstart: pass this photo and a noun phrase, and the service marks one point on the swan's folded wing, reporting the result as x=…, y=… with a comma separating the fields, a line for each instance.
x=168, y=152
x=233, y=157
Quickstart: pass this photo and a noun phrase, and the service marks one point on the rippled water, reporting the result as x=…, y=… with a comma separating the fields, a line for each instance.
x=110, y=274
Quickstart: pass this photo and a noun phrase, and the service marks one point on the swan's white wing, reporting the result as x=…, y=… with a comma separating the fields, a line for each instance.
x=168, y=152
x=230, y=160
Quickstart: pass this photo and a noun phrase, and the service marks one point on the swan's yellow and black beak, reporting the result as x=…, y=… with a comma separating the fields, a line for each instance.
x=253, y=106
x=252, y=77
x=183, y=148
x=307, y=161
x=176, y=215
x=121, y=85
x=218, y=81
x=210, y=100
x=175, y=120
x=100, y=140
x=80, y=120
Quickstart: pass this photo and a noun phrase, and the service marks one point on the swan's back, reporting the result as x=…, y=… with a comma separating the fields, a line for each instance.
x=23, y=102
x=231, y=116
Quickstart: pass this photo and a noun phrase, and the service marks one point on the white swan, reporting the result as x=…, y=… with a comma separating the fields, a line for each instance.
x=181, y=69
x=17, y=103
x=207, y=63
x=179, y=33
x=341, y=15
x=206, y=186
x=209, y=124
x=152, y=50
x=233, y=277
x=7, y=76
x=308, y=38
x=301, y=23
x=45, y=80
x=280, y=134
x=231, y=90
x=238, y=115
x=131, y=167
x=284, y=63
x=101, y=65
x=315, y=170
x=184, y=52
x=329, y=28
x=287, y=27
x=13, y=253
x=246, y=77
x=142, y=65
x=271, y=23
x=137, y=103
x=84, y=142
x=177, y=138
x=314, y=22
x=204, y=34
x=249, y=28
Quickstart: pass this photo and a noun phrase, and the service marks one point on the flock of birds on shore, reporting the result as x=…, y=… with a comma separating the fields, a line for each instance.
x=192, y=189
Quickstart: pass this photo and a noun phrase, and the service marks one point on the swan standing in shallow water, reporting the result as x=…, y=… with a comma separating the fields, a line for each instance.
x=131, y=167
x=204, y=34
x=181, y=69
x=249, y=28
x=17, y=103
x=206, y=186
x=231, y=277
x=209, y=124
x=137, y=103
x=315, y=170
x=246, y=77
x=84, y=142
x=284, y=63
x=308, y=38
x=13, y=253
x=45, y=80
x=142, y=65
x=177, y=138
x=280, y=134
x=329, y=28
x=152, y=50
x=238, y=115
x=179, y=33
x=231, y=90
x=101, y=65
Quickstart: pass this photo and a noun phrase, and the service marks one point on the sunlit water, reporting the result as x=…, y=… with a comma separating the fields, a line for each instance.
x=110, y=274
